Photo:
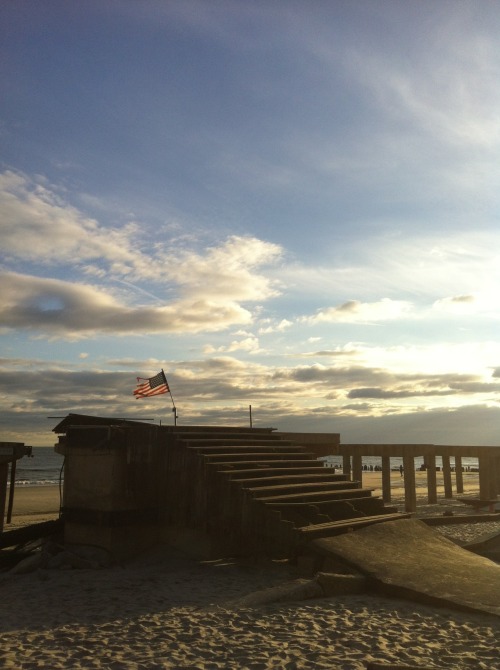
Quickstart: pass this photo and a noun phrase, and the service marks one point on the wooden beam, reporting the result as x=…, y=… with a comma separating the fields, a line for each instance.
x=357, y=468
x=459, y=477
x=409, y=477
x=386, y=478
x=4, y=471
x=430, y=464
x=448, y=492
x=346, y=465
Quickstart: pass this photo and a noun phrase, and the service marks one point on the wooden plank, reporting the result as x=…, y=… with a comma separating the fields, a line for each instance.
x=4, y=472
x=345, y=524
x=324, y=495
x=19, y=536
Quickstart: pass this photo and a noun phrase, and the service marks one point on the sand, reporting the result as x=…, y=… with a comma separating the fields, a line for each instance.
x=34, y=504
x=168, y=610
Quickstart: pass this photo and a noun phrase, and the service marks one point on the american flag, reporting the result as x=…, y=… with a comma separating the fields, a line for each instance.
x=153, y=386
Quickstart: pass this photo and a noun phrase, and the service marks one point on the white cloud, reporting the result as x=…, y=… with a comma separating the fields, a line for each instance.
x=225, y=270
x=37, y=225
x=422, y=267
x=208, y=286
x=355, y=311
x=61, y=309
x=269, y=326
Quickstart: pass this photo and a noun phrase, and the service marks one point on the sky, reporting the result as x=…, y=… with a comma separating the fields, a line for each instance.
x=291, y=206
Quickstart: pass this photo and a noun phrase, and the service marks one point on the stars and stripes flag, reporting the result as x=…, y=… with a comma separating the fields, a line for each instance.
x=153, y=386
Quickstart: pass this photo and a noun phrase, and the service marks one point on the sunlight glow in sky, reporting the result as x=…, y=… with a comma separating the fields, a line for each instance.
x=291, y=205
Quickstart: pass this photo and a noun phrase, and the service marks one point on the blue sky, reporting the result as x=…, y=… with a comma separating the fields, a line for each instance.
x=288, y=205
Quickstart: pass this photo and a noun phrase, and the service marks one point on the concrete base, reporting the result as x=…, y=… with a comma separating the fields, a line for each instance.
x=407, y=559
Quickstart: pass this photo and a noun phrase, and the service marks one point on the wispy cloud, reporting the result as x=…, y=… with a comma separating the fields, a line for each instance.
x=355, y=311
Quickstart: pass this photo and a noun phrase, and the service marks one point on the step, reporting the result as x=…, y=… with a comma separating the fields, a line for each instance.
x=239, y=442
x=316, y=531
x=335, y=510
x=304, y=516
x=260, y=457
x=300, y=487
x=314, y=468
x=248, y=448
x=290, y=479
x=321, y=504
x=289, y=463
x=221, y=430
x=319, y=495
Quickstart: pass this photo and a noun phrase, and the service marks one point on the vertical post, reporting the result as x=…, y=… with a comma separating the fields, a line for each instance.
x=346, y=465
x=11, y=490
x=386, y=478
x=409, y=476
x=4, y=471
x=448, y=492
x=430, y=465
x=497, y=476
x=459, y=477
x=485, y=483
x=357, y=468
x=250, y=414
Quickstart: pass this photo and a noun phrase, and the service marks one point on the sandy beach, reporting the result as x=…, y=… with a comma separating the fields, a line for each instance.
x=169, y=610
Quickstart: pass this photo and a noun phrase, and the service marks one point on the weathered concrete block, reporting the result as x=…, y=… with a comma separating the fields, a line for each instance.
x=335, y=584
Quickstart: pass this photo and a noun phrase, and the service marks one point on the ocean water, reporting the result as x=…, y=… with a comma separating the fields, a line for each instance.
x=41, y=469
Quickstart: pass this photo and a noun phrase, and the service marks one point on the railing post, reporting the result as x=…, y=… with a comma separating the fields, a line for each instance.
x=357, y=468
x=430, y=465
x=496, y=476
x=386, y=478
x=346, y=465
x=487, y=485
x=4, y=472
x=448, y=492
x=459, y=477
x=409, y=477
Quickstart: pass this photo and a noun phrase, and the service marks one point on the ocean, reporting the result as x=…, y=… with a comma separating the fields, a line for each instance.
x=44, y=467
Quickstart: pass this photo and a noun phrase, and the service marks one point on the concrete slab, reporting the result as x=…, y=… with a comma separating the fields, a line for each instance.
x=406, y=558
x=488, y=545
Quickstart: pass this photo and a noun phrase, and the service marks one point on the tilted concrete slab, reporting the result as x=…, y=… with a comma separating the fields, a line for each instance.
x=488, y=545
x=408, y=559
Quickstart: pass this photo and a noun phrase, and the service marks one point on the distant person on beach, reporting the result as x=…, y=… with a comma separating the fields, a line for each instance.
x=401, y=470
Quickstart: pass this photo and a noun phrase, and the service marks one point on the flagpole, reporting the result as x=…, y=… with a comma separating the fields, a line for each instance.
x=174, y=409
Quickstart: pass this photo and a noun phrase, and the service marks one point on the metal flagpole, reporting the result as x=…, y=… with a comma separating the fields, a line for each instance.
x=174, y=408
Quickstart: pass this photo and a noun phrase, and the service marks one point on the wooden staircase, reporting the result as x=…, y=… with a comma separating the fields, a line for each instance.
x=260, y=493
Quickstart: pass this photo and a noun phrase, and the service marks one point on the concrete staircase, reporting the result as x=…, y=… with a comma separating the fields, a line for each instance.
x=260, y=493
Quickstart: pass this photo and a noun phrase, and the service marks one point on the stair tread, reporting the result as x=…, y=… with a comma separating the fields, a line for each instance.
x=338, y=486
x=299, y=504
x=260, y=473
x=221, y=430
x=293, y=461
x=319, y=527
x=238, y=442
x=313, y=494
x=259, y=454
x=248, y=448
x=307, y=477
